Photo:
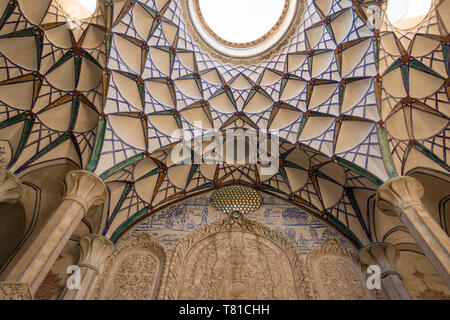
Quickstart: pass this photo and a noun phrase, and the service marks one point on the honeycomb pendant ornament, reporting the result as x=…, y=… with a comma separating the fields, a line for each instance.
x=236, y=199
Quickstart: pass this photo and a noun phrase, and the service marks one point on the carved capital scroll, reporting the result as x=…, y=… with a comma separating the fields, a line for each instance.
x=11, y=188
x=399, y=193
x=95, y=249
x=380, y=253
x=85, y=188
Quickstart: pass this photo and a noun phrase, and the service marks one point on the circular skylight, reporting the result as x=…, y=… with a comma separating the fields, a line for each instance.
x=406, y=14
x=243, y=28
x=241, y=21
x=78, y=9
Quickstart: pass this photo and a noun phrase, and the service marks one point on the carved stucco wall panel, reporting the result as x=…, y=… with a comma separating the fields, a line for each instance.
x=236, y=258
x=132, y=272
x=233, y=258
x=334, y=273
x=128, y=275
x=240, y=244
x=236, y=265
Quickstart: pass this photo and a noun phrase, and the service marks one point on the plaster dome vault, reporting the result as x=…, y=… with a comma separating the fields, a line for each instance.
x=108, y=91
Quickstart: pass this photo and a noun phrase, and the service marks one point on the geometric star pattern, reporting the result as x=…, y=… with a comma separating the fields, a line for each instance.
x=353, y=106
x=50, y=84
x=414, y=87
x=306, y=178
x=318, y=91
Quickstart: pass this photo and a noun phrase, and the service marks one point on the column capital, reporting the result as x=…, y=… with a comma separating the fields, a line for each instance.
x=377, y=252
x=401, y=197
x=95, y=249
x=85, y=188
x=399, y=193
x=385, y=256
x=11, y=188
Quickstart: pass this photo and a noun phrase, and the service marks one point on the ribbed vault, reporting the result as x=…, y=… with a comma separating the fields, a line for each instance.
x=305, y=177
x=353, y=106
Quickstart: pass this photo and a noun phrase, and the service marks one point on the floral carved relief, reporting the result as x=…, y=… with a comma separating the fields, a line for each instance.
x=134, y=278
x=132, y=272
x=335, y=274
x=236, y=258
x=237, y=265
x=16, y=291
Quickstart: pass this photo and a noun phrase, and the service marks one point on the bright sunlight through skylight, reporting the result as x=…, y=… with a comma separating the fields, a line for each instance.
x=241, y=21
x=79, y=9
x=405, y=14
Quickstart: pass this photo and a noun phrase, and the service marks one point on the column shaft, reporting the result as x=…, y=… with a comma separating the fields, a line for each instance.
x=39, y=257
x=95, y=249
x=393, y=286
x=88, y=276
x=385, y=255
x=430, y=237
x=84, y=190
x=401, y=197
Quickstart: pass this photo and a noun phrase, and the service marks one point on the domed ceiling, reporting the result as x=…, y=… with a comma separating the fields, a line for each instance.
x=353, y=106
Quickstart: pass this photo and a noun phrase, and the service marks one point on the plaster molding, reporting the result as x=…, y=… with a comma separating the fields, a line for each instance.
x=234, y=223
x=398, y=194
x=85, y=188
x=143, y=246
x=274, y=50
x=15, y=291
x=94, y=249
x=11, y=188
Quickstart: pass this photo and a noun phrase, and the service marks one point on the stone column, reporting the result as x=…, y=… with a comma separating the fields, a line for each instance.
x=385, y=256
x=11, y=188
x=401, y=197
x=95, y=249
x=83, y=191
x=11, y=191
